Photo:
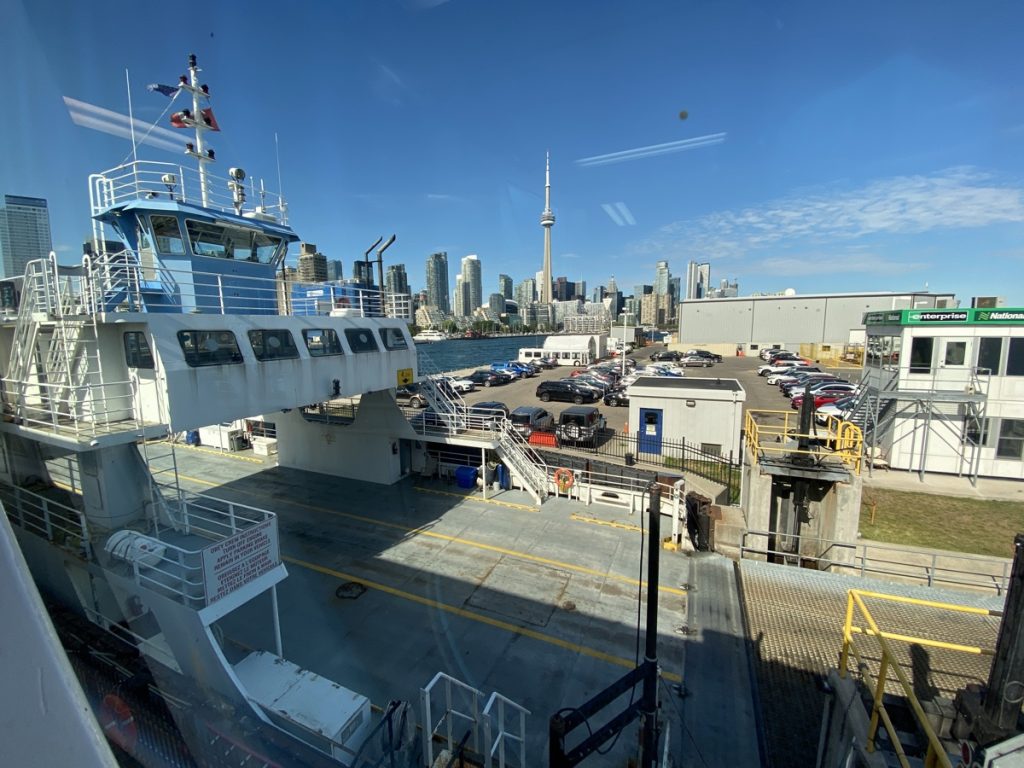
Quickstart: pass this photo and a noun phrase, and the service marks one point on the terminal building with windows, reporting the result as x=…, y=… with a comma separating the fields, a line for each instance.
x=944, y=391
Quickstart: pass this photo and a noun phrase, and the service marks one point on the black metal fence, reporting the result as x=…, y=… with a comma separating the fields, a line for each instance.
x=680, y=456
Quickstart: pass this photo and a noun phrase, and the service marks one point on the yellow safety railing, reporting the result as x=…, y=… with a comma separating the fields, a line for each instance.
x=844, y=438
x=855, y=605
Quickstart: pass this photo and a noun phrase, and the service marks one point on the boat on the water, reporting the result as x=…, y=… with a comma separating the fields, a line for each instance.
x=429, y=336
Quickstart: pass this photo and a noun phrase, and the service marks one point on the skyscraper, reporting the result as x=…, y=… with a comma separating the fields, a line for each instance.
x=312, y=264
x=395, y=279
x=437, y=281
x=334, y=270
x=698, y=280
x=526, y=292
x=612, y=285
x=471, y=278
x=547, y=220
x=505, y=286
x=24, y=233
x=662, y=275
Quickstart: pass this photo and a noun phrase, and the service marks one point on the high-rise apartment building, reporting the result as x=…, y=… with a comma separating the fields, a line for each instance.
x=437, y=281
x=526, y=293
x=395, y=279
x=496, y=303
x=471, y=277
x=505, y=286
x=24, y=233
x=312, y=264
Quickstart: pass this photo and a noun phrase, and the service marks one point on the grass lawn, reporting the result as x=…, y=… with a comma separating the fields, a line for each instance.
x=941, y=522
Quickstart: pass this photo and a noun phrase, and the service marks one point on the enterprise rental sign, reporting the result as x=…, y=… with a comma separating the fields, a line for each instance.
x=1014, y=316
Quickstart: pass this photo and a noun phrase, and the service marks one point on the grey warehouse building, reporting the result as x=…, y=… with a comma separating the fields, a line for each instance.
x=823, y=325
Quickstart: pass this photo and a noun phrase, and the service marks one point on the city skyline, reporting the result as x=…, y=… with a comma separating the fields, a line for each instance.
x=890, y=164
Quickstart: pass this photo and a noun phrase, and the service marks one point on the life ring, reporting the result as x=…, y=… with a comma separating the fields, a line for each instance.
x=564, y=479
x=118, y=722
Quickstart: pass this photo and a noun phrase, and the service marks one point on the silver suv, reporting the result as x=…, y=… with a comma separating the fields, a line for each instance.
x=580, y=424
x=527, y=419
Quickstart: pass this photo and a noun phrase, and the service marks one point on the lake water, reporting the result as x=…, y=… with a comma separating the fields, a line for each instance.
x=456, y=354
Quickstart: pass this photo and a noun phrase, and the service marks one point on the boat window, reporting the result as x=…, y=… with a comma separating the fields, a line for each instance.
x=224, y=241
x=276, y=344
x=393, y=338
x=361, y=340
x=137, y=353
x=322, y=342
x=167, y=234
x=210, y=348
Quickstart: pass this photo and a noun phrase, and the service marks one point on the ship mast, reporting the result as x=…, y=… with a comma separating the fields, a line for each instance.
x=201, y=153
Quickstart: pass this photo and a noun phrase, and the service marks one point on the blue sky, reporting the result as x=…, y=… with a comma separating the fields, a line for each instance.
x=867, y=146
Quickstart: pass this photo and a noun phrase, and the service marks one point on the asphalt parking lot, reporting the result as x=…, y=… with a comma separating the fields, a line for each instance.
x=760, y=396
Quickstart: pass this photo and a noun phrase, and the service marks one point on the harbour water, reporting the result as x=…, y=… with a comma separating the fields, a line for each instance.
x=457, y=354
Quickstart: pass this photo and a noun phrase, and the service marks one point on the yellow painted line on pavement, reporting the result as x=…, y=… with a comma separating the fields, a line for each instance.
x=607, y=523
x=457, y=540
x=583, y=650
x=214, y=452
x=471, y=496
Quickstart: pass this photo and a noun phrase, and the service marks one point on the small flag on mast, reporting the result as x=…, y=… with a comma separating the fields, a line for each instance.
x=211, y=121
x=166, y=90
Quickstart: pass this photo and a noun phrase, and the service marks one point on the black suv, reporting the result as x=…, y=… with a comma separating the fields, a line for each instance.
x=564, y=390
x=411, y=395
x=488, y=378
x=713, y=357
x=667, y=355
x=580, y=424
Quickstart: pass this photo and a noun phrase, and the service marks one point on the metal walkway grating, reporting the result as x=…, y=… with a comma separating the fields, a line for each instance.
x=795, y=619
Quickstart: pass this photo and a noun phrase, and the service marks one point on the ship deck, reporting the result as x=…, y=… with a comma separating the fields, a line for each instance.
x=536, y=603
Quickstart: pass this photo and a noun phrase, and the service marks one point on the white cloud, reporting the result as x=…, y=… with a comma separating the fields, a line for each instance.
x=832, y=264
x=958, y=198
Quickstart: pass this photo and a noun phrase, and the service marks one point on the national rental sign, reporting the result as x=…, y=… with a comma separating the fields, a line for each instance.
x=1011, y=316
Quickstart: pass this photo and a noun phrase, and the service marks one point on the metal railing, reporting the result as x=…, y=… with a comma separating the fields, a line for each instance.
x=87, y=410
x=889, y=662
x=514, y=734
x=841, y=439
x=463, y=713
x=120, y=282
x=144, y=180
x=868, y=559
x=920, y=379
x=56, y=522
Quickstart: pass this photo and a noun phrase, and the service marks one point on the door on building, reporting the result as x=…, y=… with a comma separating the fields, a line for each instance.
x=649, y=434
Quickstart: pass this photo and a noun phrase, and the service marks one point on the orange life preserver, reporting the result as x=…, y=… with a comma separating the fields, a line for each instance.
x=564, y=479
x=118, y=722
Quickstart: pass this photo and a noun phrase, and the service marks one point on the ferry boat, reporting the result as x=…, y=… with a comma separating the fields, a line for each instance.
x=429, y=335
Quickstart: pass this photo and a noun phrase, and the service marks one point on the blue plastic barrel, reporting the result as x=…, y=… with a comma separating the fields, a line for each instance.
x=465, y=477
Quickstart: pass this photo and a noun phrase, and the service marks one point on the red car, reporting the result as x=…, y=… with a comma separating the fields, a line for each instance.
x=820, y=398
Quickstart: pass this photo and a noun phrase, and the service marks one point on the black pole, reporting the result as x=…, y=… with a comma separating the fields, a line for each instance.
x=1002, y=699
x=649, y=700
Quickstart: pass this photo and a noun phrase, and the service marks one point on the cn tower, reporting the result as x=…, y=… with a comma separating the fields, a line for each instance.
x=547, y=220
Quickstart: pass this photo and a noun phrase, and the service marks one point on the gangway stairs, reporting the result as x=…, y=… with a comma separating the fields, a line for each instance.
x=513, y=449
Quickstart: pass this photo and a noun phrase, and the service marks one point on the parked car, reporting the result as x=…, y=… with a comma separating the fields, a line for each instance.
x=527, y=419
x=524, y=369
x=487, y=415
x=432, y=421
x=794, y=371
x=819, y=385
x=586, y=386
x=504, y=367
x=821, y=398
x=789, y=384
x=667, y=354
x=488, y=378
x=411, y=395
x=564, y=390
x=696, y=361
x=617, y=397
x=580, y=424
x=460, y=384
x=839, y=408
x=771, y=367
x=713, y=357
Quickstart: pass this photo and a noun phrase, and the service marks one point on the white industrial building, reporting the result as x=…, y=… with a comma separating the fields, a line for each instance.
x=945, y=391
x=705, y=413
x=817, y=325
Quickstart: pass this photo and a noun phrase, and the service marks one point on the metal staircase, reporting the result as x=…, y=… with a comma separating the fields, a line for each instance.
x=453, y=413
